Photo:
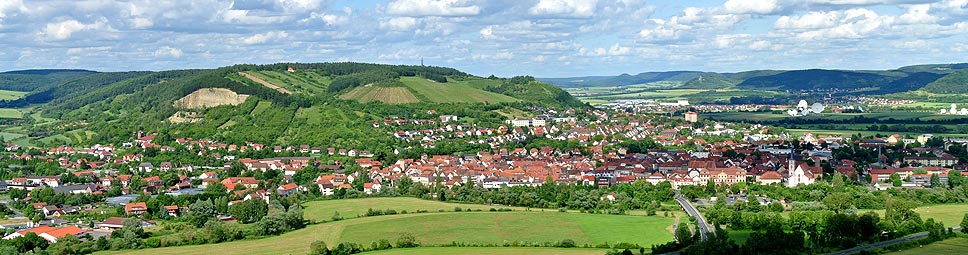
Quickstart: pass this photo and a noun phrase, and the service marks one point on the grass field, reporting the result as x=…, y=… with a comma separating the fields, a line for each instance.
x=453, y=92
x=390, y=95
x=494, y=228
x=10, y=113
x=443, y=228
x=951, y=246
x=11, y=95
x=950, y=214
x=488, y=251
x=353, y=208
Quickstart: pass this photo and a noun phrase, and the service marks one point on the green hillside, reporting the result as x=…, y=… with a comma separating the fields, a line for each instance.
x=322, y=103
x=623, y=79
x=710, y=81
x=954, y=83
x=29, y=80
x=454, y=92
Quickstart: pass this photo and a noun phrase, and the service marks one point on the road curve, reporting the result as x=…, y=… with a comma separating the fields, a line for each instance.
x=692, y=211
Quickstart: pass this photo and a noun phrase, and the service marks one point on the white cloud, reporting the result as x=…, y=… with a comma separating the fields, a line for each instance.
x=847, y=24
x=432, y=8
x=751, y=6
x=265, y=37
x=167, y=51
x=10, y=6
x=399, y=24
x=573, y=8
x=917, y=14
x=63, y=30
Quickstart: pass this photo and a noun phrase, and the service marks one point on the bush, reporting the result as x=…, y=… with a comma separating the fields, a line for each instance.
x=567, y=243
x=407, y=240
x=153, y=242
x=318, y=248
x=492, y=209
x=457, y=209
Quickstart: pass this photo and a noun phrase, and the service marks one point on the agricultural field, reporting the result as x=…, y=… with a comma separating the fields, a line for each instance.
x=949, y=214
x=11, y=95
x=354, y=208
x=389, y=95
x=10, y=113
x=438, y=228
x=489, y=251
x=300, y=82
x=494, y=228
x=958, y=245
x=453, y=92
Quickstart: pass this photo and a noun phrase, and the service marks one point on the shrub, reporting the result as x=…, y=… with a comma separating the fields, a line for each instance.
x=318, y=248
x=407, y=240
x=567, y=243
x=492, y=209
x=457, y=209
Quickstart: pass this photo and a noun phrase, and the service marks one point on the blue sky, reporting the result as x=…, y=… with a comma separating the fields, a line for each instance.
x=545, y=38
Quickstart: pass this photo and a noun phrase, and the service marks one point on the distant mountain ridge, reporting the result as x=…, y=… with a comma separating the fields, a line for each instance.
x=916, y=77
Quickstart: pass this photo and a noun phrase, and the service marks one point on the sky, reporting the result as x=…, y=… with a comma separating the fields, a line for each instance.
x=543, y=38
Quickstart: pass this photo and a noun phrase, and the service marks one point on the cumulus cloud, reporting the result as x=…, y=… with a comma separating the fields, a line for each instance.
x=63, y=30
x=265, y=37
x=168, y=52
x=399, y=24
x=751, y=6
x=573, y=8
x=432, y=8
x=552, y=37
x=846, y=24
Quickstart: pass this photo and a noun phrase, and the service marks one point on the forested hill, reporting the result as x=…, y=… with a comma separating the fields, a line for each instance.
x=954, y=83
x=903, y=79
x=286, y=103
x=30, y=80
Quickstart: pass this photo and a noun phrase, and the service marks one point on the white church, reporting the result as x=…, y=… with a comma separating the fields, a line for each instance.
x=798, y=174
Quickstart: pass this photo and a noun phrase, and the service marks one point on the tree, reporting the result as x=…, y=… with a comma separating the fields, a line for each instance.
x=201, y=211
x=955, y=179
x=249, y=211
x=964, y=224
x=216, y=188
x=683, y=234
x=838, y=202
x=318, y=248
x=935, y=181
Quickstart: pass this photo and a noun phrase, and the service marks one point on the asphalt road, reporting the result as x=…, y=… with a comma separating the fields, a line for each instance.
x=883, y=244
x=692, y=211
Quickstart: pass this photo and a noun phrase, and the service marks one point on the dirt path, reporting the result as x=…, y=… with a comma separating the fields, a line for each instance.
x=265, y=83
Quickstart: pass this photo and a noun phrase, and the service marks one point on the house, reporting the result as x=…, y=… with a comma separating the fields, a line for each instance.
x=49, y=233
x=136, y=208
x=146, y=167
x=173, y=210
x=165, y=166
x=51, y=211
x=248, y=182
x=371, y=188
x=287, y=189
x=769, y=177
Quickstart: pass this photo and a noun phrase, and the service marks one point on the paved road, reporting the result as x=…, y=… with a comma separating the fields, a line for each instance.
x=883, y=244
x=16, y=214
x=691, y=210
